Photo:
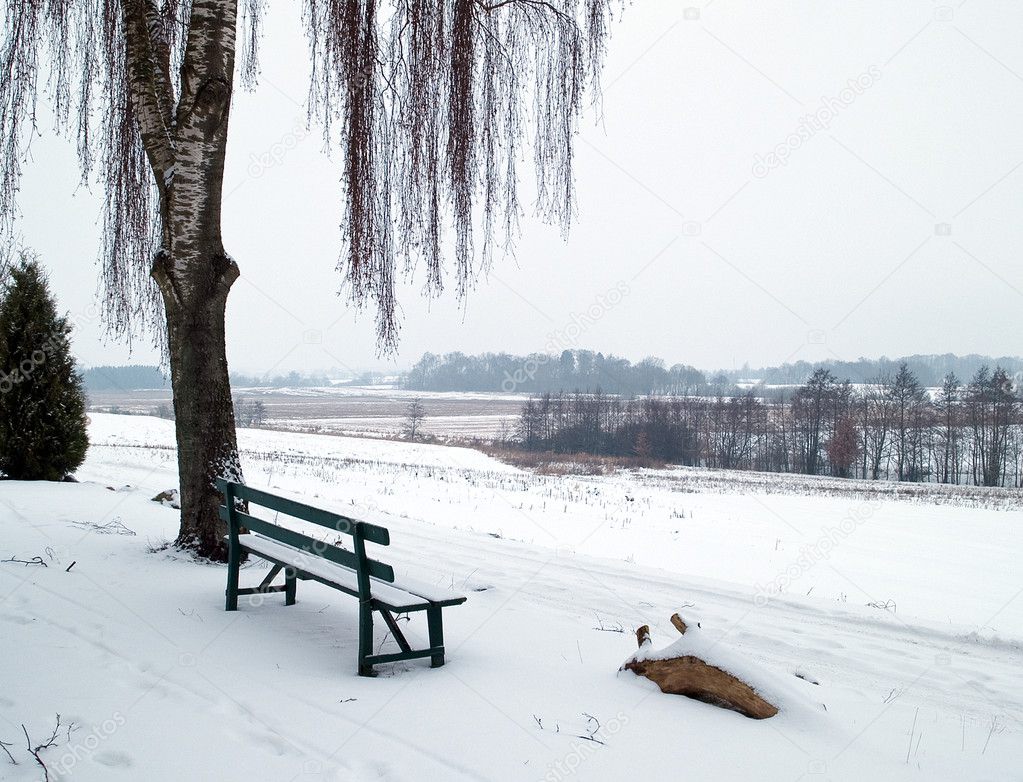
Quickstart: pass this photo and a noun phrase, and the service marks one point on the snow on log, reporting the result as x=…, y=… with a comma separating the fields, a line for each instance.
x=682, y=669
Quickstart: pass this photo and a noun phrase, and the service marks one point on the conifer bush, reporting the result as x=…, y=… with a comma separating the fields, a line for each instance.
x=42, y=404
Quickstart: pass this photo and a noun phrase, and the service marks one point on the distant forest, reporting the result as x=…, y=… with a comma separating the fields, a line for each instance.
x=929, y=370
x=132, y=377
x=292, y=380
x=124, y=378
x=585, y=370
x=538, y=373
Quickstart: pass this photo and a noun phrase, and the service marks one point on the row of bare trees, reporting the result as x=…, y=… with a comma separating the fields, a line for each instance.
x=892, y=428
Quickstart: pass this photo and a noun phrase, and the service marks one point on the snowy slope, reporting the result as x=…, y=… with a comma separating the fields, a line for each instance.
x=133, y=646
x=841, y=548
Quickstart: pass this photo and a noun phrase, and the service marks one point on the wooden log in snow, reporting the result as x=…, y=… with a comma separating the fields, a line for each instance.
x=690, y=676
x=679, y=624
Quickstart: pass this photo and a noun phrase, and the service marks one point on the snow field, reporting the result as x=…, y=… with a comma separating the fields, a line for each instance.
x=134, y=647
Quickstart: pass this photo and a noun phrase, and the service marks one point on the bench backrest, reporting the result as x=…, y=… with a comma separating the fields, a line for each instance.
x=360, y=531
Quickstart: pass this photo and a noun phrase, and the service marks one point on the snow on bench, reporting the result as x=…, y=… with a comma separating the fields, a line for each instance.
x=406, y=596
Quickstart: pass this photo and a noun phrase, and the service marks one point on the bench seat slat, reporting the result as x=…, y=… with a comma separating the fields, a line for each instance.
x=435, y=594
x=396, y=597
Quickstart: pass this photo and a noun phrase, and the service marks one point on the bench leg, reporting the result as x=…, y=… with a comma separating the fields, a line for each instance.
x=392, y=625
x=365, y=638
x=233, y=566
x=436, y=626
x=290, y=586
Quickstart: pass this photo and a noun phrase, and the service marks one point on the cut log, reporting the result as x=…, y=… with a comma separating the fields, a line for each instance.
x=679, y=624
x=692, y=677
x=643, y=636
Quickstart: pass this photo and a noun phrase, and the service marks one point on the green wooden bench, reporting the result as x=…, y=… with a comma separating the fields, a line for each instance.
x=303, y=558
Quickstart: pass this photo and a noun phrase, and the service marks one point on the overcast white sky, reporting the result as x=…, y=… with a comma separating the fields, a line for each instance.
x=894, y=230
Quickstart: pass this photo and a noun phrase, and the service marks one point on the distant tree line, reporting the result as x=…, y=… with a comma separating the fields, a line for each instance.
x=538, y=372
x=929, y=370
x=136, y=376
x=292, y=379
x=572, y=369
x=890, y=428
x=124, y=378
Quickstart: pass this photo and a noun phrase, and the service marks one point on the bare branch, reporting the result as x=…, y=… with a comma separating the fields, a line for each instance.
x=50, y=742
x=4, y=746
x=435, y=105
x=33, y=561
x=431, y=104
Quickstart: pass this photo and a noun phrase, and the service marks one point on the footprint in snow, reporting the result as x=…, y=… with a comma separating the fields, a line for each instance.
x=17, y=619
x=279, y=744
x=114, y=759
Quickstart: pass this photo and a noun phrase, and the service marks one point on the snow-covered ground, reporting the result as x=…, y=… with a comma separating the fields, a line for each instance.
x=133, y=645
x=374, y=411
x=444, y=426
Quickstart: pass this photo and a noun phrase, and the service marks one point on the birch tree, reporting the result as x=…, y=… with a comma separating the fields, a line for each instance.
x=430, y=103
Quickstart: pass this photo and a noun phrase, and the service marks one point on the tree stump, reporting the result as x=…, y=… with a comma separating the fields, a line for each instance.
x=692, y=677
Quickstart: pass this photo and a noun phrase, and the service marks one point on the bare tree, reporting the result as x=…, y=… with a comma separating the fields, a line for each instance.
x=414, y=415
x=907, y=396
x=990, y=404
x=843, y=448
x=429, y=100
x=949, y=401
x=812, y=404
x=877, y=425
x=258, y=413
